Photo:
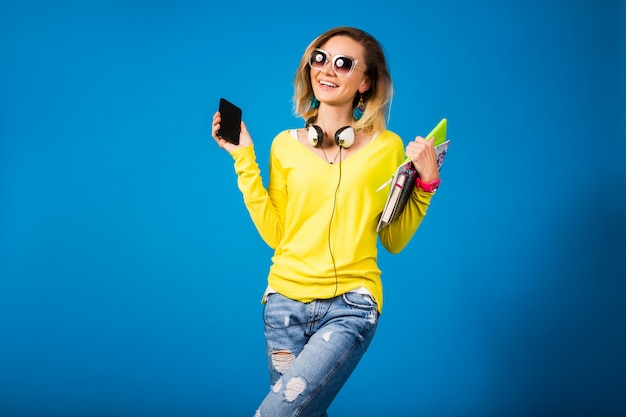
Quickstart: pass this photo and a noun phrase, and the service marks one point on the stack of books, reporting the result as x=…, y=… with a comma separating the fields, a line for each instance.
x=403, y=182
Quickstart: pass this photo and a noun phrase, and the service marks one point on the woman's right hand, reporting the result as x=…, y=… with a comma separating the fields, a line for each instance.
x=244, y=137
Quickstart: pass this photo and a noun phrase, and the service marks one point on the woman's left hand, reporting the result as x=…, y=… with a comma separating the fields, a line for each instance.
x=422, y=153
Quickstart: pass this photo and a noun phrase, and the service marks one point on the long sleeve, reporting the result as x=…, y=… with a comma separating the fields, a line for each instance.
x=266, y=214
x=397, y=235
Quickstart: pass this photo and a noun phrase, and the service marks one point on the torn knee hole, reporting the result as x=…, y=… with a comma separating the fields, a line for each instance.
x=282, y=359
x=294, y=387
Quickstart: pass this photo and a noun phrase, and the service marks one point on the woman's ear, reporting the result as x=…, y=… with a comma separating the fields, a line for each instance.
x=365, y=85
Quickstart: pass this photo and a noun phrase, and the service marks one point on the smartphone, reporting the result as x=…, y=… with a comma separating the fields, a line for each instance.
x=230, y=127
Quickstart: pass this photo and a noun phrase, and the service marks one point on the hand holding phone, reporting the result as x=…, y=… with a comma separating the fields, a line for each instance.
x=230, y=126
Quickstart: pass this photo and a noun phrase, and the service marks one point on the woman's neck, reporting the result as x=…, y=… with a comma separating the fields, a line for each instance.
x=331, y=119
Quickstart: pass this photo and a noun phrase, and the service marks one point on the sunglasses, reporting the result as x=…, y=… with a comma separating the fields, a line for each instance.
x=342, y=65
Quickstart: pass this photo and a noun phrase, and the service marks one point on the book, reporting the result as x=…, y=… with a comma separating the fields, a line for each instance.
x=403, y=181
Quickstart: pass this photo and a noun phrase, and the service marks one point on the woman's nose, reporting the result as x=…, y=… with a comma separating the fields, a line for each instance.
x=328, y=68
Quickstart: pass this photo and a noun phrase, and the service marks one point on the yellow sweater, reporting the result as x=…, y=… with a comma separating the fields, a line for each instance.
x=312, y=231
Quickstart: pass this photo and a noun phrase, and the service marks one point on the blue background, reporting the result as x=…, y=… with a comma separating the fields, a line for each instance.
x=131, y=274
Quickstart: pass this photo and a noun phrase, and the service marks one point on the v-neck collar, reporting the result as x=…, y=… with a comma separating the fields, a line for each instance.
x=294, y=135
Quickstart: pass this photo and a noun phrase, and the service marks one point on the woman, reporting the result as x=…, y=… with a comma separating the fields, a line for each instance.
x=319, y=213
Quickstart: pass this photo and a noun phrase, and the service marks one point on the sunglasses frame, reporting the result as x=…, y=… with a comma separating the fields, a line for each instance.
x=333, y=60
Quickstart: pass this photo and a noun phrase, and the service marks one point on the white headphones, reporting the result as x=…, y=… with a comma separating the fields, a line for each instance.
x=344, y=137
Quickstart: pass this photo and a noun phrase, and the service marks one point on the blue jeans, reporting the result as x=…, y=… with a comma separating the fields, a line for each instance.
x=312, y=348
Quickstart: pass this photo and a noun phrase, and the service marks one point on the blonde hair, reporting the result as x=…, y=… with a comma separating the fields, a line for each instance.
x=377, y=99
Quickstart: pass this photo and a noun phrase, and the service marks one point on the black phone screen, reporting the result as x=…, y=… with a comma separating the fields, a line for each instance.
x=230, y=126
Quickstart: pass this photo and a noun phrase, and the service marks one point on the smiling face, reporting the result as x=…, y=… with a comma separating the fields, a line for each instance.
x=334, y=89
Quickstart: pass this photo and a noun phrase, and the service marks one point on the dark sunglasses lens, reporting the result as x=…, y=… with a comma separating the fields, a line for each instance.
x=343, y=65
x=318, y=59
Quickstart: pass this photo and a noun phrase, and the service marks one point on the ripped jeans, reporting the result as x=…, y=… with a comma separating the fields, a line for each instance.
x=312, y=348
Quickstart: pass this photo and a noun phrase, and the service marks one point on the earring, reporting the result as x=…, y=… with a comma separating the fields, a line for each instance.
x=315, y=103
x=358, y=111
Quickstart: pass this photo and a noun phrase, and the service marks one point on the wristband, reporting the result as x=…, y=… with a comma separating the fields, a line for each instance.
x=429, y=187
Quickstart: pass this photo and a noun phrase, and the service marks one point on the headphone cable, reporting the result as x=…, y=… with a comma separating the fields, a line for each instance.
x=330, y=251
